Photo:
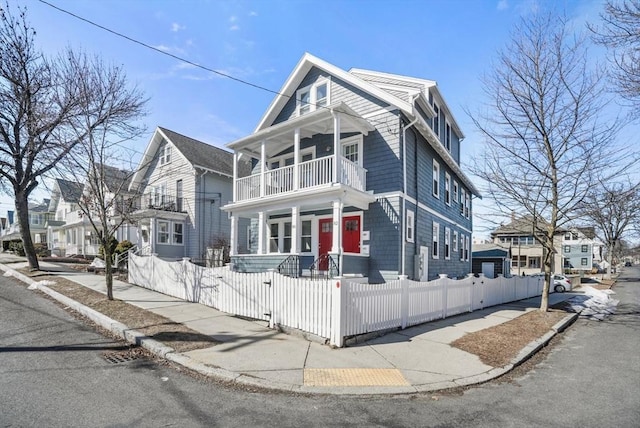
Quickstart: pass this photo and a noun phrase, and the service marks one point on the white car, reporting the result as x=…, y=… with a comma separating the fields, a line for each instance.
x=560, y=282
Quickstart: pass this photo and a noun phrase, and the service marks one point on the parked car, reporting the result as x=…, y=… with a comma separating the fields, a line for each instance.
x=627, y=263
x=560, y=282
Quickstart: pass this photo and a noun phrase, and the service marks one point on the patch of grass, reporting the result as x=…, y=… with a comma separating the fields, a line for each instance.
x=498, y=345
x=176, y=335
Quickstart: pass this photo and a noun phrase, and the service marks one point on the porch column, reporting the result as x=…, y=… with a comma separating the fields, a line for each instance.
x=263, y=163
x=82, y=241
x=296, y=159
x=235, y=175
x=261, y=233
x=336, y=247
x=233, y=244
x=336, y=148
x=295, y=230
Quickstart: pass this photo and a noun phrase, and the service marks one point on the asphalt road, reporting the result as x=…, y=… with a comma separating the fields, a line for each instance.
x=53, y=372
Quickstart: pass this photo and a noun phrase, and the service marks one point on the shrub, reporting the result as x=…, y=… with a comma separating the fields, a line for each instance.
x=42, y=250
x=17, y=248
x=123, y=247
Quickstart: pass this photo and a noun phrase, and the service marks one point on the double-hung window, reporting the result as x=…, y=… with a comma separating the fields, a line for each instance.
x=447, y=243
x=410, y=226
x=165, y=154
x=312, y=97
x=163, y=231
x=435, y=253
x=436, y=119
x=455, y=191
x=447, y=188
x=447, y=136
x=436, y=179
x=455, y=241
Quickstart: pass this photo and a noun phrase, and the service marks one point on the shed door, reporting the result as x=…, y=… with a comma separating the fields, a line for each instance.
x=487, y=269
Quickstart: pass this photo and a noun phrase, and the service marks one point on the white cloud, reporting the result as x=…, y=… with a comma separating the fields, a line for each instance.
x=253, y=13
x=234, y=28
x=163, y=48
x=175, y=27
x=233, y=18
x=503, y=4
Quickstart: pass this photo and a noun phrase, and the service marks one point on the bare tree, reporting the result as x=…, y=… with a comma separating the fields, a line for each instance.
x=620, y=33
x=613, y=209
x=106, y=200
x=543, y=129
x=42, y=103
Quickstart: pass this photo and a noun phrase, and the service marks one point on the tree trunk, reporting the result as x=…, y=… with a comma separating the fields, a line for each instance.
x=610, y=260
x=108, y=272
x=22, y=210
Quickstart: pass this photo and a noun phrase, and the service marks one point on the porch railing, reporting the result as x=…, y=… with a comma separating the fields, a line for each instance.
x=324, y=267
x=290, y=266
x=313, y=173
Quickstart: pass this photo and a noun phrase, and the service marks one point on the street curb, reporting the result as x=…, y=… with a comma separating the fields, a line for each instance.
x=151, y=345
x=168, y=353
x=535, y=345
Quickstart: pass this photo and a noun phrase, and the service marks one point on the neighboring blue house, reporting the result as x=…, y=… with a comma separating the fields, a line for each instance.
x=354, y=173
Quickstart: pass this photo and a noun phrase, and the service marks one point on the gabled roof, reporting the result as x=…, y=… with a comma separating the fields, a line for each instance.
x=198, y=154
x=201, y=154
x=69, y=190
x=306, y=63
x=523, y=225
x=115, y=179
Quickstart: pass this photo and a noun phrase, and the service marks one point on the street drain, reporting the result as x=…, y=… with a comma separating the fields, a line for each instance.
x=120, y=357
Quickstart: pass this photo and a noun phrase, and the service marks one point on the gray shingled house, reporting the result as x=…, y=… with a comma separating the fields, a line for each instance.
x=181, y=183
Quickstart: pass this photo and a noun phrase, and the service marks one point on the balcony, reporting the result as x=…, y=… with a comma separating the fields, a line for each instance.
x=159, y=202
x=311, y=174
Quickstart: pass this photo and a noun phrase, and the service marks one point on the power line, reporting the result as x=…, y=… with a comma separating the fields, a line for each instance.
x=131, y=39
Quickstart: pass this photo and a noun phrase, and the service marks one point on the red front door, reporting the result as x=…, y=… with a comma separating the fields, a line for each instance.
x=351, y=234
x=350, y=237
x=325, y=240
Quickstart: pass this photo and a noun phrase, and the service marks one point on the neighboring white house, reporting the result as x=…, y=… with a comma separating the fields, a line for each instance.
x=38, y=216
x=181, y=183
x=70, y=231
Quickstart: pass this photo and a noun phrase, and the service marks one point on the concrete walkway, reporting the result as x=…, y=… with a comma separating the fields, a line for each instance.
x=412, y=360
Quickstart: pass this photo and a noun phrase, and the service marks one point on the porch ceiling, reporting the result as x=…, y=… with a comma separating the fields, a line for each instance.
x=280, y=136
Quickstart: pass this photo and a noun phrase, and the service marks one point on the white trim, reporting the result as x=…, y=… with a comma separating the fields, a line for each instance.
x=435, y=240
x=447, y=243
x=447, y=188
x=411, y=226
x=423, y=207
x=435, y=179
x=305, y=64
x=455, y=241
x=359, y=140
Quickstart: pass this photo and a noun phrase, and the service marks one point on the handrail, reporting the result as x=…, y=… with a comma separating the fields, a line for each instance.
x=331, y=267
x=290, y=266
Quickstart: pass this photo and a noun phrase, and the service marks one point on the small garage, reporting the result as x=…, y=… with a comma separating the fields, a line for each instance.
x=491, y=262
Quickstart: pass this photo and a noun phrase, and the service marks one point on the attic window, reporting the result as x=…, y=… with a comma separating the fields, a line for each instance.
x=312, y=97
x=165, y=155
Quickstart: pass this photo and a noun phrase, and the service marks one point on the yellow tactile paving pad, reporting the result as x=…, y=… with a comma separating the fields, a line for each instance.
x=354, y=377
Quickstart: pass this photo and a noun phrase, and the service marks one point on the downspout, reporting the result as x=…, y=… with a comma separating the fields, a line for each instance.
x=202, y=223
x=404, y=188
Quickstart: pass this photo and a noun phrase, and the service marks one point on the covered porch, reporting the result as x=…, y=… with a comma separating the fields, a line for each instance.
x=302, y=185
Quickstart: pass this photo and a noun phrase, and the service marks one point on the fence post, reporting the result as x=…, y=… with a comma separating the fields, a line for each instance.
x=337, y=312
x=404, y=300
x=152, y=279
x=272, y=308
x=472, y=303
x=445, y=299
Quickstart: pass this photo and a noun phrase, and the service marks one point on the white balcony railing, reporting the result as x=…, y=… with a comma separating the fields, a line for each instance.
x=313, y=173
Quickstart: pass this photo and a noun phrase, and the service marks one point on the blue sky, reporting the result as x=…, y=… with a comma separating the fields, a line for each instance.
x=450, y=41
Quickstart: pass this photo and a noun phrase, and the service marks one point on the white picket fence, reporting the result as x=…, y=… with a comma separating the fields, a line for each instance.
x=332, y=309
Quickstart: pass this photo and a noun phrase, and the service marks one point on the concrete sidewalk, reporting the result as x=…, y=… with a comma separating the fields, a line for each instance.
x=416, y=359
